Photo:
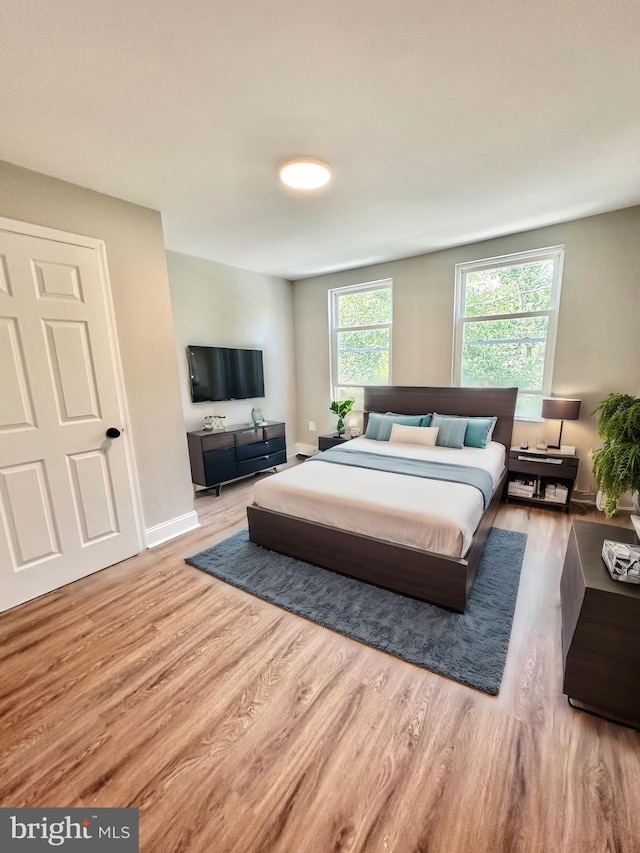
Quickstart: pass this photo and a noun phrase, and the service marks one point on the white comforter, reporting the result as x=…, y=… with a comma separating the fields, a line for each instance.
x=433, y=515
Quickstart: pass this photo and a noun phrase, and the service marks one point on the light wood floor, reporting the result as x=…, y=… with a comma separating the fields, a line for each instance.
x=235, y=726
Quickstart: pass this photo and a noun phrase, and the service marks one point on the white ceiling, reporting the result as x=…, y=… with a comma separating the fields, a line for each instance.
x=445, y=122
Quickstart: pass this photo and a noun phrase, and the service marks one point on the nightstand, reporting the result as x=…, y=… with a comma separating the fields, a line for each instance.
x=331, y=440
x=542, y=477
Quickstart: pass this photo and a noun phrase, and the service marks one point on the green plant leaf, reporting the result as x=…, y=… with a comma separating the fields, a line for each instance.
x=341, y=408
x=616, y=465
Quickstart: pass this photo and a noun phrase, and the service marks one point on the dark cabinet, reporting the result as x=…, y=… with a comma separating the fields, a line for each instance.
x=599, y=626
x=222, y=455
x=325, y=442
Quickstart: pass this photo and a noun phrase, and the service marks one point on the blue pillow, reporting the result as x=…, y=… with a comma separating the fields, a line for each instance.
x=451, y=430
x=479, y=431
x=379, y=426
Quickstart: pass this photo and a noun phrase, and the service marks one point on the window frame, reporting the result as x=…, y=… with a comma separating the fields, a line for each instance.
x=334, y=297
x=554, y=253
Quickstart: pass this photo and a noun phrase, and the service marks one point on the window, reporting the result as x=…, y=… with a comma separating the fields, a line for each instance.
x=506, y=316
x=360, y=337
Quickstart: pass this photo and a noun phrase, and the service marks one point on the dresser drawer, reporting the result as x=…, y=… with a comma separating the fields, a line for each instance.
x=249, y=436
x=219, y=465
x=273, y=431
x=217, y=441
x=260, y=448
x=270, y=460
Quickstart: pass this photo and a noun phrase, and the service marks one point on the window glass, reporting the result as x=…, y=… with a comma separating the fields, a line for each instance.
x=506, y=290
x=504, y=353
x=365, y=307
x=505, y=324
x=360, y=338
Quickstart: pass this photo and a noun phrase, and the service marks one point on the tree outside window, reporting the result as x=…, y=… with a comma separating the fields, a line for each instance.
x=360, y=319
x=505, y=325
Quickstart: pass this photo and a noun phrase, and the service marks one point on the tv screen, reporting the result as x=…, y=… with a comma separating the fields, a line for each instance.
x=222, y=373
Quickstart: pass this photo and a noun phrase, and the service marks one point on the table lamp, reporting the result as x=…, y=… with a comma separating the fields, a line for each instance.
x=560, y=409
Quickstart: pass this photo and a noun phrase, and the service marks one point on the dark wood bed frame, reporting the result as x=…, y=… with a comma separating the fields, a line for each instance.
x=442, y=580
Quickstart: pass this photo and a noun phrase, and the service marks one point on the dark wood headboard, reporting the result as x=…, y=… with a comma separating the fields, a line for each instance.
x=417, y=400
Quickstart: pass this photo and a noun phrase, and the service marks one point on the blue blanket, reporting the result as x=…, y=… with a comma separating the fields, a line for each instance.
x=476, y=477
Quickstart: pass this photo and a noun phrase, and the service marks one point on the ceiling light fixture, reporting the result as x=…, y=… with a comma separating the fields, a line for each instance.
x=305, y=173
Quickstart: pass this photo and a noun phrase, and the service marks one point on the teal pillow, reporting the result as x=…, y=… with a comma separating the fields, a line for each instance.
x=479, y=431
x=451, y=430
x=379, y=426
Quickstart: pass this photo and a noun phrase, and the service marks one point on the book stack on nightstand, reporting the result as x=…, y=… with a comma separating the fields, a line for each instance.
x=543, y=477
x=556, y=493
x=522, y=487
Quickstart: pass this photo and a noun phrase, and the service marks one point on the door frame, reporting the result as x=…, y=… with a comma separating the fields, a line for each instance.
x=46, y=233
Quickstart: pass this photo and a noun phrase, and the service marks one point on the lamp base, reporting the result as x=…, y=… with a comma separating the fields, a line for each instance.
x=559, y=444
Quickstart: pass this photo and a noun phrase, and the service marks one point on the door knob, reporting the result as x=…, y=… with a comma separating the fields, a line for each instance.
x=113, y=432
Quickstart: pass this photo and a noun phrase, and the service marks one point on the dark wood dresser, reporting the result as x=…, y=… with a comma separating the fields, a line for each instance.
x=600, y=619
x=218, y=456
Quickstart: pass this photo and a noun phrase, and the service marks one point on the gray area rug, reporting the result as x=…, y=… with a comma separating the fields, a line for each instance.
x=470, y=647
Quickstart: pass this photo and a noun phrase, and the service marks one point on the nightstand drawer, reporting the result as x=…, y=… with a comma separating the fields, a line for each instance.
x=543, y=466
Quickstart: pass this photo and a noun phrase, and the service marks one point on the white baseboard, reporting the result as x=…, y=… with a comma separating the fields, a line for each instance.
x=583, y=497
x=170, y=529
x=305, y=449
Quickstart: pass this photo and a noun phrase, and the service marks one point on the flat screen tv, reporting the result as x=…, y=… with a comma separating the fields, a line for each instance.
x=223, y=373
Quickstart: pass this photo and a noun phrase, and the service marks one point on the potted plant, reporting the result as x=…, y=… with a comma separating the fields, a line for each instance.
x=341, y=408
x=616, y=465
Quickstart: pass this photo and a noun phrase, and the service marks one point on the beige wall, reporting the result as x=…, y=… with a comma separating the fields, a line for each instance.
x=137, y=269
x=218, y=305
x=598, y=345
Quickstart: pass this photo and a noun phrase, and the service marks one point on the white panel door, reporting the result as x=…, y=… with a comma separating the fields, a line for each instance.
x=68, y=502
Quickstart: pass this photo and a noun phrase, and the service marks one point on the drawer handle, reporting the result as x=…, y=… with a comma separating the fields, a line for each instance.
x=542, y=461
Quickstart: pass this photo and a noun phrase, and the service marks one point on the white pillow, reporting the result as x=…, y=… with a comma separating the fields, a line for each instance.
x=402, y=434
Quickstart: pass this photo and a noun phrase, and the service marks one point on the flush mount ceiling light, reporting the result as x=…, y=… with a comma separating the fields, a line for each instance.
x=305, y=173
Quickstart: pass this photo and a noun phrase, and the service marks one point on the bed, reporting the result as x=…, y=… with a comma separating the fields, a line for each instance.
x=370, y=525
